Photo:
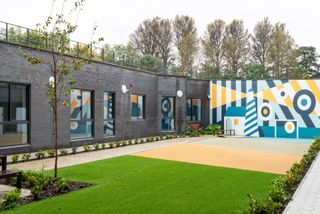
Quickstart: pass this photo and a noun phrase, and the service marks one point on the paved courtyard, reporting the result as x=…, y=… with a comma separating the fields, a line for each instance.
x=258, y=154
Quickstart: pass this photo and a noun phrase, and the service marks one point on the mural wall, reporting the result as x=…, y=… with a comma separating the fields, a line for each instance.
x=267, y=108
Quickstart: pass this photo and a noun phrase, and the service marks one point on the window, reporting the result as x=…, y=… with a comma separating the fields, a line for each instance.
x=194, y=109
x=168, y=114
x=81, y=123
x=137, y=106
x=13, y=114
x=108, y=113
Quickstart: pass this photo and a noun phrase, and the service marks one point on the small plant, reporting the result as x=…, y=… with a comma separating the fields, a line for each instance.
x=40, y=154
x=51, y=152
x=102, y=145
x=25, y=157
x=96, y=146
x=133, y=141
x=62, y=185
x=63, y=152
x=15, y=158
x=10, y=199
x=74, y=150
x=86, y=147
x=158, y=138
x=111, y=144
x=137, y=141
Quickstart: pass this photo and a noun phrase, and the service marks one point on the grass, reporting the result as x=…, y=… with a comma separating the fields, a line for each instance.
x=132, y=184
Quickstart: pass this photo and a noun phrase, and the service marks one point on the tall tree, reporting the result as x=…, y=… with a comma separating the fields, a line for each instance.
x=260, y=40
x=56, y=31
x=236, y=47
x=153, y=37
x=281, y=51
x=188, y=52
x=308, y=61
x=212, y=46
x=186, y=42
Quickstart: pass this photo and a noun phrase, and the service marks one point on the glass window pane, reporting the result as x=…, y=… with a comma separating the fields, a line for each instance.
x=168, y=124
x=13, y=134
x=196, y=109
x=4, y=102
x=18, y=102
x=134, y=106
x=140, y=107
x=81, y=129
x=75, y=104
x=189, y=109
x=108, y=128
x=86, y=105
x=108, y=105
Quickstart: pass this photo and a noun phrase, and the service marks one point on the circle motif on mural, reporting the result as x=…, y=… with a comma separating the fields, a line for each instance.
x=289, y=127
x=73, y=125
x=165, y=106
x=282, y=93
x=304, y=102
x=265, y=111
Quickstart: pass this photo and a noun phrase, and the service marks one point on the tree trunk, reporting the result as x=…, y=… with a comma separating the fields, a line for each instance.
x=55, y=115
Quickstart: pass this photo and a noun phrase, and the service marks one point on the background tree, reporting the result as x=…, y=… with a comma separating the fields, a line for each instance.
x=260, y=41
x=186, y=42
x=308, y=62
x=212, y=46
x=56, y=31
x=236, y=47
x=281, y=51
x=153, y=38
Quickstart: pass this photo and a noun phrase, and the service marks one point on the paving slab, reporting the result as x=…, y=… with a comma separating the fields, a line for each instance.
x=306, y=199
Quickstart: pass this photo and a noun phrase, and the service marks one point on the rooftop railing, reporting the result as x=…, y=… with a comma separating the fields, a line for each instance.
x=28, y=37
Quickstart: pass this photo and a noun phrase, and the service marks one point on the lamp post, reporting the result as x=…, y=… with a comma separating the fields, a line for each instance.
x=179, y=95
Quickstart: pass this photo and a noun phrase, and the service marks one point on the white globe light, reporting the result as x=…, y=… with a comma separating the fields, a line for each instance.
x=179, y=93
x=51, y=79
x=124, y=89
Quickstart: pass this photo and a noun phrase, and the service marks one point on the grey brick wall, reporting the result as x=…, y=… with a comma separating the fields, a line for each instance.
x=98, y=77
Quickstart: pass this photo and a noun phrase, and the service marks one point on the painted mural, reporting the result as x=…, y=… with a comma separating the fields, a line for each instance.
x=267, y=108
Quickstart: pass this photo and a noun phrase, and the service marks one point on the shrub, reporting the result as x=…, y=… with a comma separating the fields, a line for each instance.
x=51, y=152
x=63, y=152
x=103, y=145
x=192, y=133
x=137, y=141
x=212, y=129
x=40, y=154
x=62, y=185
x=74, y=150
x=10, y=199
x=283, y=188
x=15, y=158
x=96, y=146
x=25, y=157
x=86, y=147
x=111, y=144
x=133, y=141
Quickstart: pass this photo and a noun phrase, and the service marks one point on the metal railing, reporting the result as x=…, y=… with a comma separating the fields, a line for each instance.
x=28, y=37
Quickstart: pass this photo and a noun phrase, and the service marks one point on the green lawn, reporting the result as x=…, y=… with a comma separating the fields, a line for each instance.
x=132, y=184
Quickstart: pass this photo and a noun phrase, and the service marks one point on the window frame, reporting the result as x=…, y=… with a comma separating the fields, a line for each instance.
x=17, y=122
x=143, y=106
x=81, y=112
x=113, y=113
x=192, y=110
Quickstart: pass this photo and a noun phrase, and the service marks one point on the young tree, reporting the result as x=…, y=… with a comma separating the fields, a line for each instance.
x=281, y=51
x=56, y=32
x=212, y=46
x=260, y=40
x=186, y=41
x=236, y=47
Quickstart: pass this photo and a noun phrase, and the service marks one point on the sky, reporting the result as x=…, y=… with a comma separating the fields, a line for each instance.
x=116, y=19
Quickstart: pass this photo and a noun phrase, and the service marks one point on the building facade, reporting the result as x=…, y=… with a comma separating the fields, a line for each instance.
x=98, y=110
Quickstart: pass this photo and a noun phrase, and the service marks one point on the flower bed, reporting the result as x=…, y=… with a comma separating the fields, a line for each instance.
x=42, y=186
